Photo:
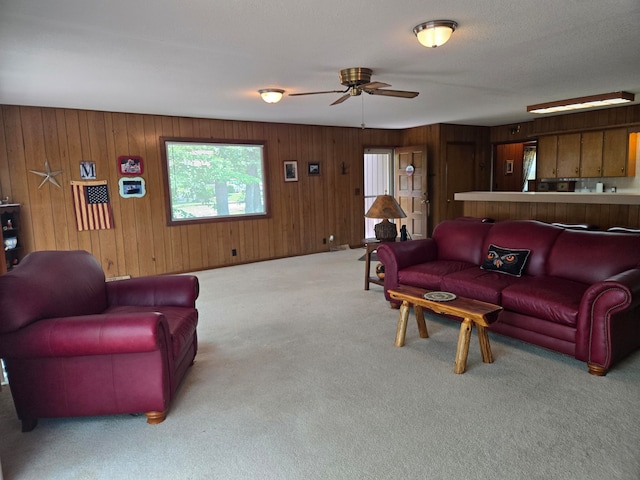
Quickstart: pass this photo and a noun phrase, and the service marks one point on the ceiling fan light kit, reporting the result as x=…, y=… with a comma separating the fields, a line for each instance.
x=435, y=33
x=271, y=95
x=593, y=101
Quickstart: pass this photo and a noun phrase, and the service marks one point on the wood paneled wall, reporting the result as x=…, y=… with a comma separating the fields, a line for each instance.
x=303, y=213
x=602, y=216
x=502, y=181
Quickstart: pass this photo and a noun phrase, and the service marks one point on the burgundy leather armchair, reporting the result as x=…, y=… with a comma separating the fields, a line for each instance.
x=76, y=345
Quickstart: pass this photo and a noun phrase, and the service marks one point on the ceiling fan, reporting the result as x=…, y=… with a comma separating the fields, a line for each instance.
x=358, y=80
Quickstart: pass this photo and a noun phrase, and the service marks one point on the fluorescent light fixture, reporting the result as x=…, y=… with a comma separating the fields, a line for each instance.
x=271, y=95
x=602, y=100
x=434, y=33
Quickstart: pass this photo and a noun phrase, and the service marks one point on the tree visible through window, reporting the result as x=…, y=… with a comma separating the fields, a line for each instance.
x=208, y=180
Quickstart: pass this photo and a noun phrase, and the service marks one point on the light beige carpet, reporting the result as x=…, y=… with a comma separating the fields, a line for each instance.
x=297, y=378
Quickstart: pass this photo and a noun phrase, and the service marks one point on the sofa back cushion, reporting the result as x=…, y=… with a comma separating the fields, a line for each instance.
x=461, y=240
x=49, y=284
x=538, y=237
x=591, y=257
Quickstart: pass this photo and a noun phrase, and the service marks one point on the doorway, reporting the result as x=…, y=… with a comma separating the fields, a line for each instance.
x=378, y=180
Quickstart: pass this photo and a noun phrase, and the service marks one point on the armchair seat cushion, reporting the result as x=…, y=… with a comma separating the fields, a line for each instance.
x=182, y=323
x=550, y=298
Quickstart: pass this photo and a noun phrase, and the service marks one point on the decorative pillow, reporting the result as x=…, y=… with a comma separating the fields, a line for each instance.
x=505, y=260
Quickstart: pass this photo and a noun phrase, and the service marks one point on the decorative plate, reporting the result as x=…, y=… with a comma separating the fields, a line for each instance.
x=439, y=296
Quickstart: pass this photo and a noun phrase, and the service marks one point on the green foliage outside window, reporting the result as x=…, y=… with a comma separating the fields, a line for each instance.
x=209, y=180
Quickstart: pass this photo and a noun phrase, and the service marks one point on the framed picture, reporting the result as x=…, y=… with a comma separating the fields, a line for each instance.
x=88, y=170
x=130, y=165
x=314, y=168
x=508, y=167
x=133, y=187
x=291, y=171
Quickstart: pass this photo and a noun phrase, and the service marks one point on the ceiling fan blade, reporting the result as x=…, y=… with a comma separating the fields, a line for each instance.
x=373, y=85
x=315, y=93
x=394, y=93
x=341, y=99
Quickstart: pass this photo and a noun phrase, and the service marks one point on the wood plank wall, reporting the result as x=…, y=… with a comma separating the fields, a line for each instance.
x=303, y=213
x=602, y=216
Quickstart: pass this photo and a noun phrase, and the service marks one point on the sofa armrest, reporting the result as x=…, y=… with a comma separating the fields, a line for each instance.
x=161, y=290
x=398, y=255
x=102, y=334
x=608, y=319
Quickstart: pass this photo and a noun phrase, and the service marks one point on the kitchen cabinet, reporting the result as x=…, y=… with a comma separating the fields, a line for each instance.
x=546, y=156
x=568, y=161
x=594, y=154
x=591, y=154
x=615, y=154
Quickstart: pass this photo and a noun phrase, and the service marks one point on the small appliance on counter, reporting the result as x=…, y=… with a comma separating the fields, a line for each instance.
x=556, y=186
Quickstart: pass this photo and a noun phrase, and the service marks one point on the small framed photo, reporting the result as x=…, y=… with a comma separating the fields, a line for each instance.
x=87, y=170
x=130, y=165
x=508, y=167
x=314, y=168
x=132, y=187
x=291, y=171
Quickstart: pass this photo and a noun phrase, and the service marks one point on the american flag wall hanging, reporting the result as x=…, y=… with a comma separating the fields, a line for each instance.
x=91, y=204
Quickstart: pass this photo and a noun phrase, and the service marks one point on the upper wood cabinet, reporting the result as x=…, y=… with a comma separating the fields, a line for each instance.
x=615, y=154
x=591, y=154
x=568, y=162
x=546, y=156
x=603, y=153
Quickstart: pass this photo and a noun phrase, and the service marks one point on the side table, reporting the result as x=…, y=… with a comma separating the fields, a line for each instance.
x=370, y=245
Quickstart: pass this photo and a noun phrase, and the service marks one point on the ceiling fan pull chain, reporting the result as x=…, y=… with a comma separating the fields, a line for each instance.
x=362, y=124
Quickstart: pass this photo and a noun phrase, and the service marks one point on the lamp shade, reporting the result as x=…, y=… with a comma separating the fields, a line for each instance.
x=434, y=33
x=385, y=206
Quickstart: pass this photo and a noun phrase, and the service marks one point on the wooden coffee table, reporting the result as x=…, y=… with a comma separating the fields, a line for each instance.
x=471, y=311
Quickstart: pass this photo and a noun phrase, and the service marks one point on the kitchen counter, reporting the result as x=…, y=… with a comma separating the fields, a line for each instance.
x=552, y=197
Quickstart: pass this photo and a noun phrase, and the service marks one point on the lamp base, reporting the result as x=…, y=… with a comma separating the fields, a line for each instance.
x=385, y=231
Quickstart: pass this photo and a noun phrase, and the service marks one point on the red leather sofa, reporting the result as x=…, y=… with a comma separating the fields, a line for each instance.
x=578, y=293
x=76, y=345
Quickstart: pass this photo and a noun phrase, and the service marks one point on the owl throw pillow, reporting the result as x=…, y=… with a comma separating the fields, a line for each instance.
x=505, y=260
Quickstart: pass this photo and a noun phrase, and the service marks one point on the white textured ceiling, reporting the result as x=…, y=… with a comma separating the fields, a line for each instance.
x=208, y=58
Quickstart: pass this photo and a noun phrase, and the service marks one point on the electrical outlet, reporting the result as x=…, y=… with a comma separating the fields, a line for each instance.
x=234, y=252
x=324, y=240
x=331, y=238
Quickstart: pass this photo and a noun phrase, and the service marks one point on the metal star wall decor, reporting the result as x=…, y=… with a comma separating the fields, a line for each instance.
x=48, y=175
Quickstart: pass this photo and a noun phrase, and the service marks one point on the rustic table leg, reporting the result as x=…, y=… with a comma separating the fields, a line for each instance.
x=485, y=346
x=463, y=346
x=367, y=267
x=422, y=326
x=403, y=319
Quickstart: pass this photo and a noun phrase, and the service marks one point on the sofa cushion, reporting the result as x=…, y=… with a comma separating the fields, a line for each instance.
x=461, y=240
x=429, y=275
x=591, y=257
x=505, y=260
x=479, y=284
x=550, y=298
x=536, y=236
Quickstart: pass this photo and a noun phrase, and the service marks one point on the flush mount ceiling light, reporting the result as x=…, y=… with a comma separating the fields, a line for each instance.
x=434, y=33
x=271, y=95
x=602, y=100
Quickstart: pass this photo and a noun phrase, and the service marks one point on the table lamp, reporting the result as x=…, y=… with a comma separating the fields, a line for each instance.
x=385, y=207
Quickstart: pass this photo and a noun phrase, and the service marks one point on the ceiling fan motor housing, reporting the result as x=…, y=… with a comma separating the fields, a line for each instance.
x=352, y=77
